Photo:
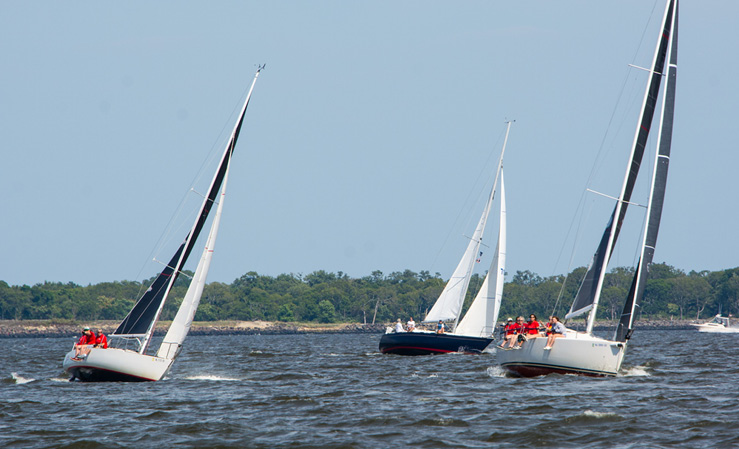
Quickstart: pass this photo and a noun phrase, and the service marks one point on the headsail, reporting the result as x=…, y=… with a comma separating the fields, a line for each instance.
x=449, y=304
x=180, y=326
x=483, y=312
x=589, y=293
x=657, y=192
x=144, y=315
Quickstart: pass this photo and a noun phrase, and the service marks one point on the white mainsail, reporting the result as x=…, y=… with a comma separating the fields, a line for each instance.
x=182, y=322
x=483, y=312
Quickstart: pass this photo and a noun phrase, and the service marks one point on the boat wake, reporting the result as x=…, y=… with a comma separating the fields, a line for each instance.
x=635, y=371
x=496, y=371
x=18, y=380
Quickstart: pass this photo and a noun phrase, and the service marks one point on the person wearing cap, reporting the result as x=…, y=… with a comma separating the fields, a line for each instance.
x=514, y=330
x=87, y=338
x=101, y=341
x=507, y=331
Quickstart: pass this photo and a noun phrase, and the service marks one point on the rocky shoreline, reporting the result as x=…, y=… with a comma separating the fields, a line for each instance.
x=56, y=328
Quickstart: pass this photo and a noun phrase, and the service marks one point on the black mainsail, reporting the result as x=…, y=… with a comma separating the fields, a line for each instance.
x=657, y=195
x=140, y=321
x=587, y=295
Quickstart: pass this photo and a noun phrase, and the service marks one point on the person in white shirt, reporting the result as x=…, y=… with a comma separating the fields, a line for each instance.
x=410, y=325
x=399, y=326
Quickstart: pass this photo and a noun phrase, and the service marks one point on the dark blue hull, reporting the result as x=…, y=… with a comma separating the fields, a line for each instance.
x=422, y=343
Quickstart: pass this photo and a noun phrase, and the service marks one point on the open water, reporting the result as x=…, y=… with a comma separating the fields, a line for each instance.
x=677, y=389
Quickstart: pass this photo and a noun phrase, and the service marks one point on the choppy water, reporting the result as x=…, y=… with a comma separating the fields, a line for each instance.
x=677, y=389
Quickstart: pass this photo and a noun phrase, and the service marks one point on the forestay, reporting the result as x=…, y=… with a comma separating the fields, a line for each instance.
x=483, y=312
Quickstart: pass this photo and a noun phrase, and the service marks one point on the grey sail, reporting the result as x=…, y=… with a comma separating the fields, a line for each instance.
x=586, y=294
x=141, y=319
x=657, y=195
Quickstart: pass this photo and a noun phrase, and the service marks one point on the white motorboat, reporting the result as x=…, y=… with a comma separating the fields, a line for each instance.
x=121, y=363
x=584, y=353
x=719, y=324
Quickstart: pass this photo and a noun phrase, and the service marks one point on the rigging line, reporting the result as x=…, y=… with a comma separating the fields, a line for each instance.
x=466, y=201
x=620, y=95
x=169, y=230
x=182, y=272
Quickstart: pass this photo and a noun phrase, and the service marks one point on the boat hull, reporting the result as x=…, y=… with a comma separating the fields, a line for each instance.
x=716, y=328
x=578, y=353
x=116, y=365
x=426, y=343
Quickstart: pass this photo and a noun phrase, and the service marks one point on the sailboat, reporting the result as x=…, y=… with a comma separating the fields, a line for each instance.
x=474, y=332
x=122, y=363
x=582, y=352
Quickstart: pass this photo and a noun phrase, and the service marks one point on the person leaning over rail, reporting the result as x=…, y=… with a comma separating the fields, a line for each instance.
x=85, y=342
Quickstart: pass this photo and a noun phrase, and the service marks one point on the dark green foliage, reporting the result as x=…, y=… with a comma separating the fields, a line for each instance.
x=335, y=297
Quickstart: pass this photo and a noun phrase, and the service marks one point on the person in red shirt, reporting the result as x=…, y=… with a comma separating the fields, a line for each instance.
x=532, y=327
x=514, y=331
x=101, y=341
x=87, y=338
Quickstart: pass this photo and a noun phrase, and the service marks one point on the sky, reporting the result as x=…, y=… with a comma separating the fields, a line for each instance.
x=371, y=138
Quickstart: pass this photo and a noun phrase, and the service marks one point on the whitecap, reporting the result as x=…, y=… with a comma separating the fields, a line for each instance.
x=59, y=379
x=635, y=371
x=594, y=414
x=215, y=378
x=19, y=380
x=496, y=371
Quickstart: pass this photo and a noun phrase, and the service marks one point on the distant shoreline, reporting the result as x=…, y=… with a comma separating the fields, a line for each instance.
x=61, y=328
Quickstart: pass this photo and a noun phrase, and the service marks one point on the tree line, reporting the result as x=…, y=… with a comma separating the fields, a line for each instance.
x=335, y=297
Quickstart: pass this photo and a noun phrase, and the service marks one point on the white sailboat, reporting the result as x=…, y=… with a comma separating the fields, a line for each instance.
x=474, y=332
x=123, y=364
x=582, y=352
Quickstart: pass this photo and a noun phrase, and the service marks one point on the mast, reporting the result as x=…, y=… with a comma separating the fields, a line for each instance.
x=588, y=296
x=140, y=322
x=482, y=315
x=182, y=322
x=657, y=191
x=449, y=304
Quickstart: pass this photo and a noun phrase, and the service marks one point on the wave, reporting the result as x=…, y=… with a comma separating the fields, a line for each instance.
x=19, y=380
x=496, y=371
x=635, y=371
x=213, y=378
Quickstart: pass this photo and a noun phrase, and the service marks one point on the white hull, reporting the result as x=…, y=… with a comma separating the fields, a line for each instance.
x=116, y=365
x=577, y=353
x=716, y=328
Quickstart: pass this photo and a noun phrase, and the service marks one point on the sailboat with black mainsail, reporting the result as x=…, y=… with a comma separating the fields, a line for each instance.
x=474, y=332
x=123, y=364
x=582, y=352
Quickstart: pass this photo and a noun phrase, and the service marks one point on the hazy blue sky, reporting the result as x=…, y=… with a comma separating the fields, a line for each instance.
x=369, y=138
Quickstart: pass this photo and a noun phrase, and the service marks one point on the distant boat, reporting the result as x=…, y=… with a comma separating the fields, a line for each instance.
x=124, y=364
x=474, y=332
x=582, y=352
x=719, y=324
